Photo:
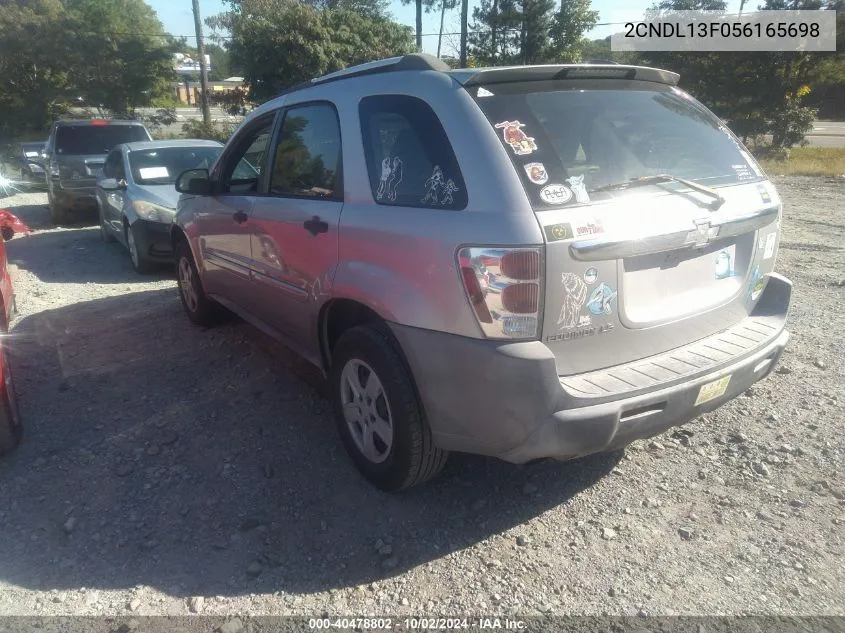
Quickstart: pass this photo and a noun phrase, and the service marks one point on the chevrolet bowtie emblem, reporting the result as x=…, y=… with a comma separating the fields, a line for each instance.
x=703, y=233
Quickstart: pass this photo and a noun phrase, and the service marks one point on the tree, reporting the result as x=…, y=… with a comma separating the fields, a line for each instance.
x=122, y=60
x=280, y=43
x=418, y=6
x=35, y=77
x=509, y=32
x=572, y=21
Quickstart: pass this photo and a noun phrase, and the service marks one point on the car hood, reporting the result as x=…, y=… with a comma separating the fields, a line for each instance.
x=164, y=195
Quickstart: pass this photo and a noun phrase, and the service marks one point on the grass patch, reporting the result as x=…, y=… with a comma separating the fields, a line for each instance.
x=808, y=161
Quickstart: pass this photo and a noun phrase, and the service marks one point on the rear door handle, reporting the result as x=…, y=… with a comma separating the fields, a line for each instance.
x=315, y=225
x=240, y=217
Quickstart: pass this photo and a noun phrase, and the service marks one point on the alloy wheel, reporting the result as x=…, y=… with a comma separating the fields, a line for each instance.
x=366, y=410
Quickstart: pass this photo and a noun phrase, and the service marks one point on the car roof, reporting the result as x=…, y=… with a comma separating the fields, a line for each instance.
x=496, y=74
x=188, y=142
x=96, y=122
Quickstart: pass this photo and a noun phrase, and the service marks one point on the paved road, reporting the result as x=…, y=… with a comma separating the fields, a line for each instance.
x=827, y=134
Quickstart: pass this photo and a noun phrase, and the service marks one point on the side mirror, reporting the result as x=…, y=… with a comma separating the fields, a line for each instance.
x=111, y=184
x=195, y=182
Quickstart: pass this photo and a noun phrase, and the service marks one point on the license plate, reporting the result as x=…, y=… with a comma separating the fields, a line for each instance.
x=712, y=390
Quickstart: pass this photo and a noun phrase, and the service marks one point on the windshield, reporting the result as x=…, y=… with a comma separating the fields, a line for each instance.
x=570, y=138
x=162, y=166
x=78, y=140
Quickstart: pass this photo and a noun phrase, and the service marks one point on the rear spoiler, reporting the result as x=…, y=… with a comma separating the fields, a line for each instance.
x=474, y=77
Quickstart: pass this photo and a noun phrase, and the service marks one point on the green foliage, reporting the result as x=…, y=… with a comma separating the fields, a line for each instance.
x=573, y=20
x=280, y=43
x=530, y=31
x=196, y=128
x=757, y=93
x=96, y=53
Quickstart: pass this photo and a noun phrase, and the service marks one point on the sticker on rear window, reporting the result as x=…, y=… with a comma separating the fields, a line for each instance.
x=438, y=189
x=148, y=173
x=579, y=188
x=591, y=275
x=391, y=176
x=519, y=141
x=536, y=173
x=555, y=194
x=483, y=92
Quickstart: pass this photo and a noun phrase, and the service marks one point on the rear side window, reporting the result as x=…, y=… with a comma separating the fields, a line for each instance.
x=570, y=138
x=308, y=154
x=84, y=140
x=409, y=158
x=113, y=168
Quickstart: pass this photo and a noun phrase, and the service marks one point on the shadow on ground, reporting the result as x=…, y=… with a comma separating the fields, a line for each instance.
x=77, y=256
x=162, y=454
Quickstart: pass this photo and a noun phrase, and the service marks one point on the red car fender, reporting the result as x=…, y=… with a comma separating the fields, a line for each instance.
x=10, y=222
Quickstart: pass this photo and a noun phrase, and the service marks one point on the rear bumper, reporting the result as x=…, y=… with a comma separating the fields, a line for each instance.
x=506, y=399
x=74, y=198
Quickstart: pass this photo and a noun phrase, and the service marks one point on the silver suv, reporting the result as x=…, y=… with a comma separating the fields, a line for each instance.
x=527, y=262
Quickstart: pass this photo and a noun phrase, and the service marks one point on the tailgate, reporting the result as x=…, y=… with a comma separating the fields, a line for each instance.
x=645, y=273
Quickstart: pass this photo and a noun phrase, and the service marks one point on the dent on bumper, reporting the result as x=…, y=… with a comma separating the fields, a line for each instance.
x=506, y=399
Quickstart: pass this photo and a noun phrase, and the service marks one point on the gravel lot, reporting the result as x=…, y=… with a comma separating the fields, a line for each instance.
x=163, y=463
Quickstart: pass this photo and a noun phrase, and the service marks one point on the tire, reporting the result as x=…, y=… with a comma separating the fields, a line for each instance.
x=105, y=233
x=11, y=430
x=411, y=457
x=140, y=263
x=200, y=309
x=57, y=212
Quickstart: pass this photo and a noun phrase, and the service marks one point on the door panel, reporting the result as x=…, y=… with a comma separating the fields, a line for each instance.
x=225, y=245
x=294, y=228
x=223, y=220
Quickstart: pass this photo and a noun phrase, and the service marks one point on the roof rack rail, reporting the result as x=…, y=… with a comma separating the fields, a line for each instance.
x=414, y=61
x=599, y=61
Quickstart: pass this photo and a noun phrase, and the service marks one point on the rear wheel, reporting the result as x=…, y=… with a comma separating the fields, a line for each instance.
x=200, y=309
x=57, y=212
x=378, y=413
x=11, y=429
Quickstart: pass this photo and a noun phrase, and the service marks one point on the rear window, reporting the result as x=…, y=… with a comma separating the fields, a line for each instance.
x=163, y=165
x=409, y=158
x=96, y=139
x=569, y=138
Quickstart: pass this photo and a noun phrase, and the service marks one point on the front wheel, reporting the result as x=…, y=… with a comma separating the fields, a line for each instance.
x=378, y=413
x=140, y=262
x=105, y=232
x=200, y=309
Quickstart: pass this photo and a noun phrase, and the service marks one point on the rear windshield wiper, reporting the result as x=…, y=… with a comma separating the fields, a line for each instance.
x=718, y=200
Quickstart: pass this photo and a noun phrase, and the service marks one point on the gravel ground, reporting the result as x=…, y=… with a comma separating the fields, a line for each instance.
x=169, y=470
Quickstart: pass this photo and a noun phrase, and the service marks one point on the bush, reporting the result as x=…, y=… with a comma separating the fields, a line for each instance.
x=197, y=128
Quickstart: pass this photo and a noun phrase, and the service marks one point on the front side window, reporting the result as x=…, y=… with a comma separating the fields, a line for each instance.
x=243, y=166
x=163, y=165
x=308, y=154
x=409, y=158
x=570, y=138
x=87, y=140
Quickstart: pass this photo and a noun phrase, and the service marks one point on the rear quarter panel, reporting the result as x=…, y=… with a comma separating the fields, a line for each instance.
x=401, y=261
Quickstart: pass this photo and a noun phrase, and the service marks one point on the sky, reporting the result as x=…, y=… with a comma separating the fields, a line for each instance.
x=177, y=17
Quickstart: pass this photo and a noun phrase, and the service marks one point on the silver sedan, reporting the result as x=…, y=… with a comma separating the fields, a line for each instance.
x=137, y=198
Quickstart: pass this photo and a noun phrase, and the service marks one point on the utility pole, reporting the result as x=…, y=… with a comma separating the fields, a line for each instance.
x=464, y=15
x=206, y=113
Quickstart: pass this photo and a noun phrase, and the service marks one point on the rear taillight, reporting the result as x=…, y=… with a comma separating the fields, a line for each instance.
x=503, y=286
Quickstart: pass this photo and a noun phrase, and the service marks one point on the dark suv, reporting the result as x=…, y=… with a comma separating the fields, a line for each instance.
x=76, y=151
